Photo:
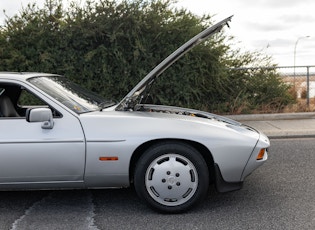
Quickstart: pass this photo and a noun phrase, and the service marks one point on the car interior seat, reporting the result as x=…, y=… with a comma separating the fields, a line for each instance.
x=6, y=107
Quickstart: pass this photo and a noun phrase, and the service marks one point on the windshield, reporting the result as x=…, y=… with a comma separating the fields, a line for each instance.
x=73, y=96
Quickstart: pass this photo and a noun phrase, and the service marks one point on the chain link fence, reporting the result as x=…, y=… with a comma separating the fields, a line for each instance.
x=301, y=78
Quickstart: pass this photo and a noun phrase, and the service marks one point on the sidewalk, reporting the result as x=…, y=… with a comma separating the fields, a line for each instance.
x=279, y=125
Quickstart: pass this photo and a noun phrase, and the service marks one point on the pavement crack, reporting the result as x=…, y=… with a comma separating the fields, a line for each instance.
x=73, y=209
x=91, y=213
x=16, y=223
x=269, y=123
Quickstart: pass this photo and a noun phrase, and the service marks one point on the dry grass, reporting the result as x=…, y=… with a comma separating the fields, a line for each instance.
x=299, y=92
x=300, y=106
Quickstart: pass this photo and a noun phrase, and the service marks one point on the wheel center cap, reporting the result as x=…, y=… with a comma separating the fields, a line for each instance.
x=171, y=180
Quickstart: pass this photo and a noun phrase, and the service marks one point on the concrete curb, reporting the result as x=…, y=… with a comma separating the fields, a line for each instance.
x=288, y=134
x=274, y=116
x=281, y=125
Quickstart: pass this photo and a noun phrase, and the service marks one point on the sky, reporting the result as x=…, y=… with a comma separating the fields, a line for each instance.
x=278, y=28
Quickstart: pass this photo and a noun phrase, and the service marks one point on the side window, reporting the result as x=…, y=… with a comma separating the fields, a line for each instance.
x=28, y=99
x=15, y=100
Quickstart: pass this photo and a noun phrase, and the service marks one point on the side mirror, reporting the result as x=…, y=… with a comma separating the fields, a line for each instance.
x=40, y=115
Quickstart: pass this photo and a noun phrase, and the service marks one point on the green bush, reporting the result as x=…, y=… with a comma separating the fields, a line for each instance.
x=108, y=46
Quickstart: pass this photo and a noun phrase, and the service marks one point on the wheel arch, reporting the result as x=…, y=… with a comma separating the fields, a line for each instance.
x=204, y=151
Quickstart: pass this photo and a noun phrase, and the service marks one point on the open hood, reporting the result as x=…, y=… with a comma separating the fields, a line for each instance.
x=135, y=95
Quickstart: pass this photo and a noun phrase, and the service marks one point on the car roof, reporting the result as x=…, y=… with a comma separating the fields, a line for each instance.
x=22, y=76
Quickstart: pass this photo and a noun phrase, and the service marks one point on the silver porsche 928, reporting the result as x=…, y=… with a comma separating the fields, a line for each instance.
x=55, y=134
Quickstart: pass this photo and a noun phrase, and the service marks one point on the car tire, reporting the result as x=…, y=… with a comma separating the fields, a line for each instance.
x=171, y=177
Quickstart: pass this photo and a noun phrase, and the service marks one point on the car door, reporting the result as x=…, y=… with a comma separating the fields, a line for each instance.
x=34, y=156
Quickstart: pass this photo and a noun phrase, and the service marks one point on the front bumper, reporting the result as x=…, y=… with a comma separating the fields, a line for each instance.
x=222, y=185
x=256, y=159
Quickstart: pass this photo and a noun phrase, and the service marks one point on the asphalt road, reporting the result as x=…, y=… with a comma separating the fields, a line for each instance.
x=279, y=195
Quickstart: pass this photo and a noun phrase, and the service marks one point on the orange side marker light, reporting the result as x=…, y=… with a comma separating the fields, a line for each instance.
x=108, y=158
x=261, y=154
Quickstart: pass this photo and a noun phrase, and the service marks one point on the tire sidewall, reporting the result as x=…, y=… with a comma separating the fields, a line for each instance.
x=184, y=150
